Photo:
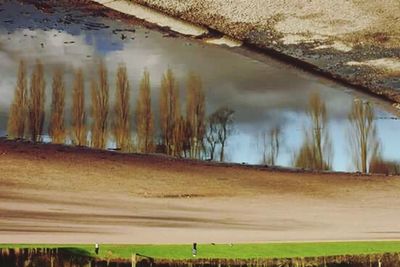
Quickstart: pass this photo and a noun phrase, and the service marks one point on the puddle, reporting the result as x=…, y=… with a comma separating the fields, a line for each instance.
x=270, y=100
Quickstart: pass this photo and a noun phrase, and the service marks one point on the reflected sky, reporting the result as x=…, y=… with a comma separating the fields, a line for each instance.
x=264, y=94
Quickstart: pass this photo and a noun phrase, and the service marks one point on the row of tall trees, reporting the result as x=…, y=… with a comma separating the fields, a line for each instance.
x=181, y=133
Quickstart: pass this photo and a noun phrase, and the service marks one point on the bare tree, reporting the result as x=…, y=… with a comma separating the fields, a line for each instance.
x=195, y=115
x=100, y=108
x=225, y=119
x=363, y=136
x=144, y=116
x=179, y=136
x=219, y=127
x=169, y=112
x=187, y=140
x=79, y=132
x=270, y=142
x=316, y=151
x=212, y=136
x=320, y=137
x=18, y=110
x=57, y=121
x=121, y=123
x=36, y=112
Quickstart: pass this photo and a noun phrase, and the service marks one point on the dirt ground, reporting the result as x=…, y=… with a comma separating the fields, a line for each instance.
x=58, y=194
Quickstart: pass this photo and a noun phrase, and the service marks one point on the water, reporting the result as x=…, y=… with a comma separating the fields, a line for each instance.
x=264, y=93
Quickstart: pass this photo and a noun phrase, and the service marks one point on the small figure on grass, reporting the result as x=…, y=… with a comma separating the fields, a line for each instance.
x=96, y=249
x=194, y=250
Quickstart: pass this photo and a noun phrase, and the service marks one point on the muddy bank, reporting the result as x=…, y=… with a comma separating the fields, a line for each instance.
x=75, y=258
x=355, y=42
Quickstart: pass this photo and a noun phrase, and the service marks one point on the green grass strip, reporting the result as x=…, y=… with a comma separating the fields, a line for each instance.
x=225, y=251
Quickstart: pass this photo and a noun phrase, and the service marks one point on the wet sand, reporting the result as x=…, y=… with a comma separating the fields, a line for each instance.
x=57, y=194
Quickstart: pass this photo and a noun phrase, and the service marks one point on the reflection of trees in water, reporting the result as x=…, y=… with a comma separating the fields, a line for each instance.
x=316, y=150
x=181, y=135
x=78, y=127
x=144, y=117
x=379, y=165
x=192, y=134
x=363, y=135
x=57, y=123
x=36, y=101
x=195, y=115
x=121, y=120
x=169, y=113
x=219, y=128
x=100, y=108
x=270, y=142
x=18, y=110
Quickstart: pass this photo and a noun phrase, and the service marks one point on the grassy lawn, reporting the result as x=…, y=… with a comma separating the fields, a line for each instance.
x=236, y=251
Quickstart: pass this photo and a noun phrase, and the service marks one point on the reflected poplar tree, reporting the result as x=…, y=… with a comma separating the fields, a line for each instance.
x=195, y=116
x=270, y=145
x=79, y=130
x=57, y=122
x=144, y=116
x=169, y=113
x=36, y=112
x=100, y=108
x=121, y=122
x=363, y=135
x=316, y=151
x=18, y=110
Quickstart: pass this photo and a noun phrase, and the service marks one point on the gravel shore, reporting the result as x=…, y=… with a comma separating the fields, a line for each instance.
x=354, y=41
